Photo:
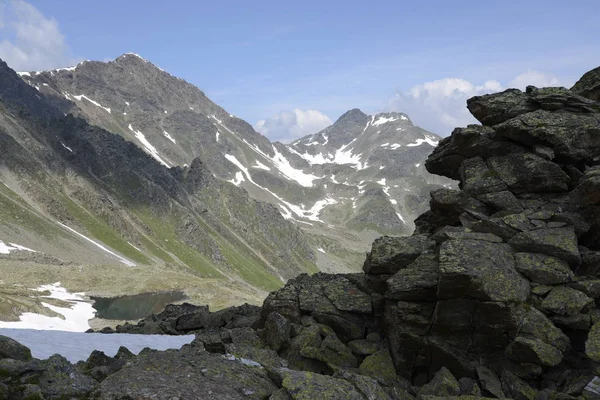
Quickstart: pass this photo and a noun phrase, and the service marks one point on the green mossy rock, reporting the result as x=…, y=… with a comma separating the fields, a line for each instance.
x=556, y=242
x=516, y=388
x=564, y=300
x=543, y=269
x=389, y=254
x=480, y=270
x=332, y=351
x=417, y=282
x=531, y=350
x=592, y=344
x=345, y=296
x=380, y=367
x=443, y=384
x=528, y=173
x=537, y=325
x=477, y=178
x=303, y=385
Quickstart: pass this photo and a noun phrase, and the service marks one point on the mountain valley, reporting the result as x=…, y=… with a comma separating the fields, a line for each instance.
x=120, y=163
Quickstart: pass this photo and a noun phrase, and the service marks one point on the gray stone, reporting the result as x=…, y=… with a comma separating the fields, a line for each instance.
x=557, y=242
x=389, y=254
x=543, y=269
x=277, y=331
x=564, y=300
x=480, y=270
x=442, y=384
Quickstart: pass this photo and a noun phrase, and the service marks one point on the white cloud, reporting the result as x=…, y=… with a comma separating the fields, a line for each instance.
x=441, y=105
x=289, y=125
x=535, y=78
x=30, y=41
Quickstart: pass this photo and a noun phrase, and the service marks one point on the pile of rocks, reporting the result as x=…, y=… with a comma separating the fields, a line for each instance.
x=495, y=295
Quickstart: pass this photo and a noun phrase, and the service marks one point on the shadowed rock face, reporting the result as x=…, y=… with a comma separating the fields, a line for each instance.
x=493, y=296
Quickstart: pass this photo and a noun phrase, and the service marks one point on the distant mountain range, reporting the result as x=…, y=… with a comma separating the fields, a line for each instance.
x=121, y=162
x=359, y=178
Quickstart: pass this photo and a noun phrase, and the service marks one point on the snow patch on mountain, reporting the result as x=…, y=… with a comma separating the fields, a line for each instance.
x=342, y=156
x=74, y=317
x=7, y=248
x=430, y=140
x=169, y=136
x=82, y=96
x=283, y=165
x=260, y=165
x=148, y=147
x=123, y=260
x=382, y=120
x=66, y=147
x=401, y=217
x=238, y=179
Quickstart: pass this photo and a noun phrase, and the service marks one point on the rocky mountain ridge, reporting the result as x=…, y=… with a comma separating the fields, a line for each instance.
x=494, y=296
x=359, y=178
x=76, y=193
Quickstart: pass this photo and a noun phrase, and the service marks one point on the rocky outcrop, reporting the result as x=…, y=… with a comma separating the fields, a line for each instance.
x=493, y=296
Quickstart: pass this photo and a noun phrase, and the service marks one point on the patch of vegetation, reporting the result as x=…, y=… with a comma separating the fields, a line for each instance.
x=163, y=229
x=100, y=230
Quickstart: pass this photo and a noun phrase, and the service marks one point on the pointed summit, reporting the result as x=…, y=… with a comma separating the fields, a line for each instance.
x=352, y=116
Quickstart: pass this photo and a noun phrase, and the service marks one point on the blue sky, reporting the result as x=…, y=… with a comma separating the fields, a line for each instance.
x=297, y=66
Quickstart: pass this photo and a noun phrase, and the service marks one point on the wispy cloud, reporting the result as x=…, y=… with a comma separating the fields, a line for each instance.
x=441, y=105
x=30, y=40
x=289, y=125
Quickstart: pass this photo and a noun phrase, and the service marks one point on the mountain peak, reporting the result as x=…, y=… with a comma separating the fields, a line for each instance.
x=130, y=56
x=380, y=118
x=354, y=114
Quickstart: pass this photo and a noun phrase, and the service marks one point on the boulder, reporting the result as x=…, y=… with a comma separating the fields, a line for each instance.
x=489, y=381
x=164, y=375
x=277, y=331
x=516, y=388
x=573, y=137
x=368, y=387
x=472, y=141
x=331, y=351
x=525, y=350
x=10, y=348
x=564, y=300
x=543, y=269
x=592, y=344
x=480, y=270
x=529, y=173
x=345, y=296
x=477, y=178
x=504, y=200
x=557, y=242
x=588, y=85
x=493, y=109
x=443, y=384
x=380, y=367
x=60, y=379
x=389, y=254
x=416, y=282
x=303, y=385
x=536, y=324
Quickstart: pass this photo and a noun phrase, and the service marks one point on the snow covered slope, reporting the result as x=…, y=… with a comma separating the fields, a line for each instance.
x=359, y=178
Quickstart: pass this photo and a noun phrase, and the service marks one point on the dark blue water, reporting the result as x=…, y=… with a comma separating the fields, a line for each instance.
x=136, y=306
